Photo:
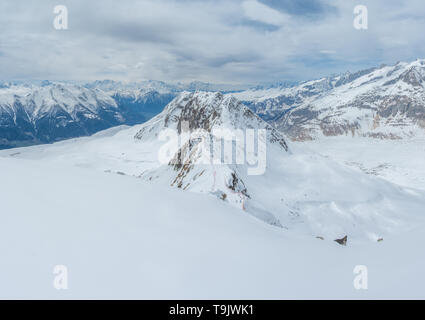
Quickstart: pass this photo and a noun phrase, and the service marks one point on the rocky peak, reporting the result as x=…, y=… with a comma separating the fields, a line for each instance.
x=207, y=110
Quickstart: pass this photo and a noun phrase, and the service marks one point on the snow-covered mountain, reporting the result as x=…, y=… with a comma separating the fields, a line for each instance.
x=164, y=87
x=200, y=162
x=112, y=86
x=272, y=101
x=299, y=190
x=31, y=114
x=384, y=102
x=48, y=112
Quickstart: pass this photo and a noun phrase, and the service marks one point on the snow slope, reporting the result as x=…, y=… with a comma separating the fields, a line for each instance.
x=399, y=161
x=123, y=238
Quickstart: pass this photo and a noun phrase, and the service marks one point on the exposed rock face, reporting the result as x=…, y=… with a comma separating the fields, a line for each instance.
x=342, y=241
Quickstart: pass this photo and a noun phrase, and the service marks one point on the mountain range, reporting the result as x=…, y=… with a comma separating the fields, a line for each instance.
x=385, y=102
x=34, y=112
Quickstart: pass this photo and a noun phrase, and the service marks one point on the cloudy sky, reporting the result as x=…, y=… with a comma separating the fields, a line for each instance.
x=226, y=41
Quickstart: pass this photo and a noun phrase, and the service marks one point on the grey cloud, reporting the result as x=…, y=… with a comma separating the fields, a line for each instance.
x=225, y=60
x=202, y=40
x=257, y=25
x=139, y=33
x=302, y=7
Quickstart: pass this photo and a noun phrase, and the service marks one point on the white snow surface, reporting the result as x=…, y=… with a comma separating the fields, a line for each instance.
x=400, y=162
x=125, y=239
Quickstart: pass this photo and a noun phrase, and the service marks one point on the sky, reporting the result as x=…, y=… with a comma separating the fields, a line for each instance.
x=221, y=41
